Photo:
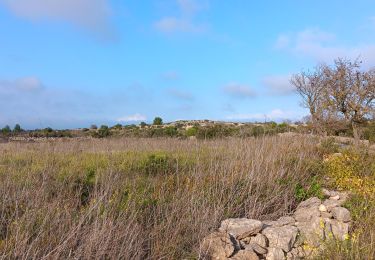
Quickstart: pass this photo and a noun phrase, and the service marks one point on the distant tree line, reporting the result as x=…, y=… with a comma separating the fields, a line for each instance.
x=6, y=130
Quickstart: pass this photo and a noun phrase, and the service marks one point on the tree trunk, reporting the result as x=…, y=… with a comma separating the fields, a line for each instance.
x=355, y=133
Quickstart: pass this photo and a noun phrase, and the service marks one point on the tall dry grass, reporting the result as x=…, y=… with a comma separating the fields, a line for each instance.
x=141, y=198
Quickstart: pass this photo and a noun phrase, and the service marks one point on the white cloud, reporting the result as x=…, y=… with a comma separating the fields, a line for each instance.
x=278, y=84
x=282, y=41
x=239, y=90
x=189, y=6
x=185, y=21
x=180, y=94
x=89, y=14
x=323, y=47
x=25, y=84
x=174, y=24
x=276, y=114
x=132, y=118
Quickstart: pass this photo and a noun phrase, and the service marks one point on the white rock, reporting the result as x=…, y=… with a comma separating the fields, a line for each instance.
x=322, y=208
x=275, y=254
x=330, y=204
x=326, y=215
x=218, y=246
x=311, y=202
x=312, y=232
x=337, y=229
x=241, y=227
x=283, y=221
x=245, y=255
x=306, y=214
x=341, y=214
x=260, y=239
x=326, y=192
x=337, y=197
x=281, y=237
x=256, y=248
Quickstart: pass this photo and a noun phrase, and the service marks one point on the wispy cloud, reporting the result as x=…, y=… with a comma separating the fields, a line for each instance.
x=323, y=46
x=170, y=75
x=238, y=90
x=25, y=84
x=180, y=94
x=33, y=103
x=278, y=84
x=92, y=15
x=185, y=21
x=174, y=24
x=132, y=118
x=282, y=41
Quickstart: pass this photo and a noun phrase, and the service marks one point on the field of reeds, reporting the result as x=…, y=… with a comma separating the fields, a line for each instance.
x=152, y=198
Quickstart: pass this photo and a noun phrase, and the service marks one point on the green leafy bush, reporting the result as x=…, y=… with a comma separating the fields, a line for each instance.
x=158, y=121
x=191, y=131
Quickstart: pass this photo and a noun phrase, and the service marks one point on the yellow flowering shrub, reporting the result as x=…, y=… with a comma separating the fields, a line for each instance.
x=352, y=171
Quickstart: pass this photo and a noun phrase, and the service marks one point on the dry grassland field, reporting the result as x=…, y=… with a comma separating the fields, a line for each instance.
x=158, y=198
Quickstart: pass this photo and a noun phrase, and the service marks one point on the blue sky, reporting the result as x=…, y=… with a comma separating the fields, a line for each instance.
x=72, y=63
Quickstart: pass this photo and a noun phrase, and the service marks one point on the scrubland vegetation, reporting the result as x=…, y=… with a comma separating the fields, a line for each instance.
x=157, y=198
x=146, y=198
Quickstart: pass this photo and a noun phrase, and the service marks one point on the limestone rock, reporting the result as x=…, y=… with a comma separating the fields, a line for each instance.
x=341, y=214
x=283, y=221
x=245, y=255
x=241, y=227
x=326, y=215
x=246, y=240
x=275, y=254
x=218, y=246
x=256, y=248
x=322, y=208
x=330, y=204
x=307, y=210
x=260, y=239
x=337, y=229
x=337, y=197
x=311, y=202
x=326, y=192
x=342, y=196
x=297, y=253
x=306, y=214
x=281, y=237
x=312, y=232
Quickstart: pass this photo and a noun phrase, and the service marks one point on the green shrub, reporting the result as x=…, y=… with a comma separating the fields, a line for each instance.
x=157, y=163
x=158, y=121
x=6, y=130
x=170, y=131
x=314, y=189
x=17, y=129
x=191, y=131
x=257, y=131
x=102, y=132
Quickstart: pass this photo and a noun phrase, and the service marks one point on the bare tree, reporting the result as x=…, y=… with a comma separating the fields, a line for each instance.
x=310, y=85
x=350, y=92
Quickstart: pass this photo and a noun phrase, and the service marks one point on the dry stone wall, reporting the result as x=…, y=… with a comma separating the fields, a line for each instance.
x=290, y=237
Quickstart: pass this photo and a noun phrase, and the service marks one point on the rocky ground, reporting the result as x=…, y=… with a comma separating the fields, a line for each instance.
x=290, y=237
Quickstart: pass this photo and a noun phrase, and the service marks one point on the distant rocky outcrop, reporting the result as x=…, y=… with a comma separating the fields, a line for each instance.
x=290, y=237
